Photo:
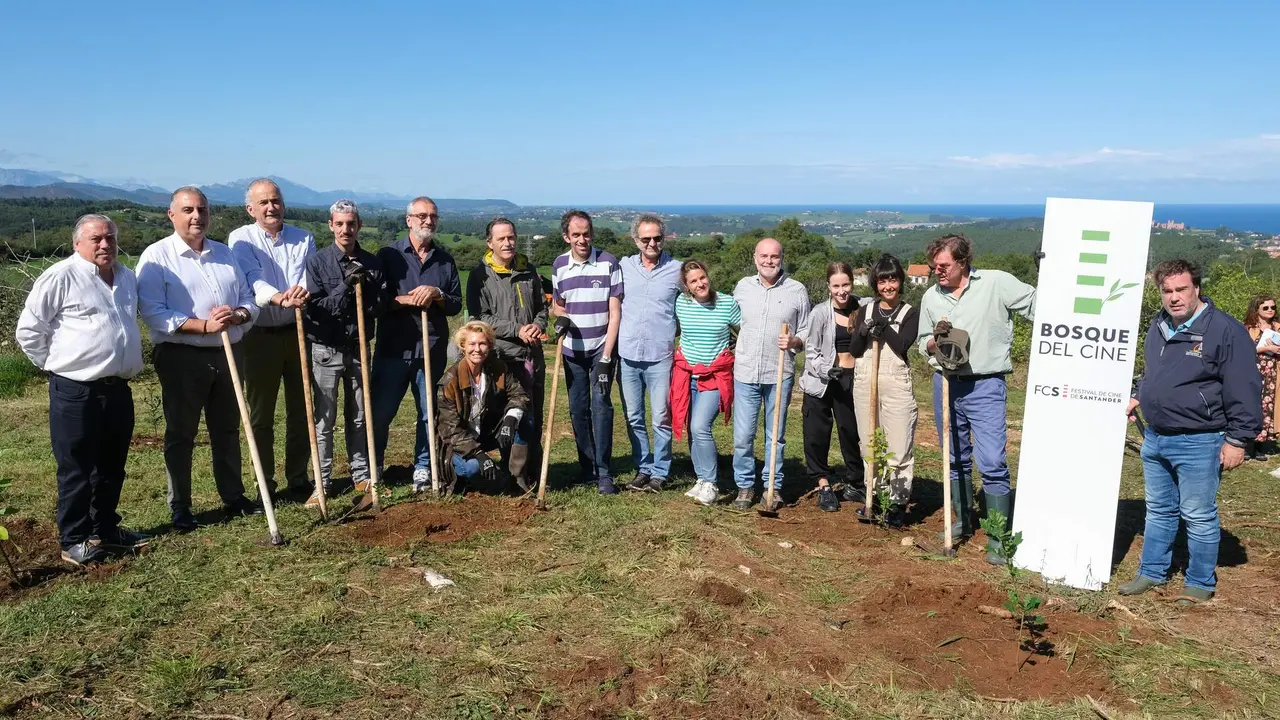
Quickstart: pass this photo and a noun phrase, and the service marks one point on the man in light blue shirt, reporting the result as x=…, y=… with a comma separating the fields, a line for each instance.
x=646, y=344
x=273, y=257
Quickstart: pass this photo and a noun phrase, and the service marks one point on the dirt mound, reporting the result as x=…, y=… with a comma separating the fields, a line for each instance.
x=720, y=592
x=40, y=561
x=439, y=522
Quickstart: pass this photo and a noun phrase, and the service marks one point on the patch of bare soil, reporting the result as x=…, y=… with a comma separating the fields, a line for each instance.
x=40, y=561
x=720, y=592
x=439, y=522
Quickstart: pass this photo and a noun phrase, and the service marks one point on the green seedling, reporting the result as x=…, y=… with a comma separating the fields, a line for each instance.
x=4, y=531
x=1031, y=626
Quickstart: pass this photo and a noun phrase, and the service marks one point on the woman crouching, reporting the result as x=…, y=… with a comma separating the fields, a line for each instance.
x=482, y=408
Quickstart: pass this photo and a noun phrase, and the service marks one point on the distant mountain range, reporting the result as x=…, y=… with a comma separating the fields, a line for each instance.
x=20, y=183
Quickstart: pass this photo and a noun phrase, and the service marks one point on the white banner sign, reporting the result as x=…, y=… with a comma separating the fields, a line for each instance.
x=1083, y=345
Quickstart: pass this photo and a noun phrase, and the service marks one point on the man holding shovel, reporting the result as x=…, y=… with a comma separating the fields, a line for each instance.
x=332, y=327
x=764, y=369
x=981, y=303
x=422, y=280
x=273, y=257
x=191, y=291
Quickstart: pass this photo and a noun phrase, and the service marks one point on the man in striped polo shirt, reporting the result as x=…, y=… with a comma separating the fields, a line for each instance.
x=586, y=288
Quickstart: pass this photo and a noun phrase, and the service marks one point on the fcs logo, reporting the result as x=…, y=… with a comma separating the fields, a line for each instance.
x=1049, y=390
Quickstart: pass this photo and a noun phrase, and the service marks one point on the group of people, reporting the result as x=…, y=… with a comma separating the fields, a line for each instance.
x=682, y=354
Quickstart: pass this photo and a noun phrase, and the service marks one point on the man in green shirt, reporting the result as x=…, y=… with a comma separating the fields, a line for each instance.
x=982, y=303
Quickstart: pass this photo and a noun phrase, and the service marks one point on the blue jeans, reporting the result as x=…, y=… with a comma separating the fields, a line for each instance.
x=390, y=378
x=591, y=414
x=977, y=407
x=747, y=401
x=703, y=408
x=634, y=379
x=1182, y=473
x=469, y=467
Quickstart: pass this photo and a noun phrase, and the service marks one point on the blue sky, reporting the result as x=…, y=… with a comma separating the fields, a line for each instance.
x=656, y=102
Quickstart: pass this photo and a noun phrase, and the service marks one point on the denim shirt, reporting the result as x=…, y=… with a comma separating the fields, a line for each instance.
x=648, y=329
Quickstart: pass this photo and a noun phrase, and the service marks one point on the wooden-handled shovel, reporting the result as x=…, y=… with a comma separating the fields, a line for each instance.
x=311, y=416
x=264, y=493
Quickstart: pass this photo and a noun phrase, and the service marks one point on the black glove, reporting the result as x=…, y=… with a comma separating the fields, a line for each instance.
x=562, y=325
x=835, y=373
x=878, y=326
x=507, y=431
x=488, y=468
x=602, y=374
x=354, y=273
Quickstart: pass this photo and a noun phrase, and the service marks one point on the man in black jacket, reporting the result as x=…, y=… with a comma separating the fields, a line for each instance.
x=1201, y=395
x=504, y=291
x=330, y=323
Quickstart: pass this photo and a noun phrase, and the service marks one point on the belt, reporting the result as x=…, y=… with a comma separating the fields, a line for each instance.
x=975, y=378
x=276, y=329
x=111, y=381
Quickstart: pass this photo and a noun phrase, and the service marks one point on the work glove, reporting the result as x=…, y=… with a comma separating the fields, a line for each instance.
x=507, y=431
x=488, y=468
x=942, y=328
x=562, y=325
x=878, y=326
x=835, y=373
x=354, y=273
x=602, y=374
x=864, y=330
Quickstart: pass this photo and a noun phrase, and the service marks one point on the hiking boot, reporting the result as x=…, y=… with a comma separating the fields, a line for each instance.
x=85, y=553
x=655, y=485
x=517, y=462
x=183, y=520
x=606, y=487
x=896, y=517
x=1193, y=596
x=1138, y=585
x=707, y=493
x=421, y=480
x=124, y=539
x=242, y=507
x=827, y=499
x=640, y=483
x=1004, y=505
x=746, y=498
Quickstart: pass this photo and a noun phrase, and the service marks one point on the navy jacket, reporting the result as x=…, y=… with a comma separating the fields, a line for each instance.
x=329, y=317
x=400, y=327
x=1204, y=379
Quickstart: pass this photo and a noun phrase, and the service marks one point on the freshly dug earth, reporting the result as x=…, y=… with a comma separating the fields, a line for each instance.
x=439, y=522
x=40, y=562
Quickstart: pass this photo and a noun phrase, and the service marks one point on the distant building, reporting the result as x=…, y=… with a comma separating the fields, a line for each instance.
x=1169, y=225
x=918, y=274
x=860, y=277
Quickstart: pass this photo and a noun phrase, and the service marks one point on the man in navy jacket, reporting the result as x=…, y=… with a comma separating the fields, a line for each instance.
x=1201, y=395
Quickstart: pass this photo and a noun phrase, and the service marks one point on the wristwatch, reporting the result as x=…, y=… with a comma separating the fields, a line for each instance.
x=242, y=314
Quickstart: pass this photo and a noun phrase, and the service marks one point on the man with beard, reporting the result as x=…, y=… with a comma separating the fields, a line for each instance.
x=420, y=277
x=190, y=291
x=273, y=257
x=768, y=299
x=504, y=291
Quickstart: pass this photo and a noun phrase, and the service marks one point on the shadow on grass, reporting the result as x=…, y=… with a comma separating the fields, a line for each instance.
x=1131, y=521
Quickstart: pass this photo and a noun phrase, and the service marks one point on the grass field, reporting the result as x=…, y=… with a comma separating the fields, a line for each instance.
x=630, y=607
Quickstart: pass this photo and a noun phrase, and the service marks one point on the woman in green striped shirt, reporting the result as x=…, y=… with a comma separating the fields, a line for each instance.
x=702, y=373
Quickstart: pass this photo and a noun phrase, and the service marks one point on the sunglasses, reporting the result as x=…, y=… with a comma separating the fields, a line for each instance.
x=1266, y=307
x=655, y=240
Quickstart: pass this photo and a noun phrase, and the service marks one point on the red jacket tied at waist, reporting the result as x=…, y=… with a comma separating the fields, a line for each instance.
x=716, y=376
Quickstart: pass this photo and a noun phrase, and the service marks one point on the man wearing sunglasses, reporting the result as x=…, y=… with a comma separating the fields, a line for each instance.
x=646, y=344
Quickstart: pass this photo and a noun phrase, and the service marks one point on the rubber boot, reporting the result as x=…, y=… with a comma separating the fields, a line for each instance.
x=1004, y=505
x=517, y=463
x=961, y=502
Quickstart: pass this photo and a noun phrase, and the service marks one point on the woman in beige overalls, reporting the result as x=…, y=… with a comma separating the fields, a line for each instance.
x=893, y=324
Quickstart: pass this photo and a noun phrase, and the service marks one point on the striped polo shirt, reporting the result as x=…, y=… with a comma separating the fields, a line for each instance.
x=584, y=288
x=704, y=329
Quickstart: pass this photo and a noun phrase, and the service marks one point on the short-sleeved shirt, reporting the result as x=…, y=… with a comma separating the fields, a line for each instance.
x=648, y=329
x=585, y=289
x=704, y=329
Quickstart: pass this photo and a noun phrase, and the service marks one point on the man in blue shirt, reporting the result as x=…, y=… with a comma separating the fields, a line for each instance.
x=419, y=277
x=1201, y=395
x=646, y=344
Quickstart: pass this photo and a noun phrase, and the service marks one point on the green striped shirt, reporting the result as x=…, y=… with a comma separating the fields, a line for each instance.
x=704, y=330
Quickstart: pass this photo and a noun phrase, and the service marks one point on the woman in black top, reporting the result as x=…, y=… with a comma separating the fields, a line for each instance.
x=892, y=324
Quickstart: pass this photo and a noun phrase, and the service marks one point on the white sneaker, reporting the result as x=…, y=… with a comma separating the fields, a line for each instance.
x=708, y=494
x=421, y=480
x=693, y=491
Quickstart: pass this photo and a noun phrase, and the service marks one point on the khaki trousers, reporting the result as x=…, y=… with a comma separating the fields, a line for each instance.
x=898, y=415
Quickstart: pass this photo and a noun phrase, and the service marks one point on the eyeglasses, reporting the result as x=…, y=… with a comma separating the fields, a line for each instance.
x=423, y=217
x=655, y=240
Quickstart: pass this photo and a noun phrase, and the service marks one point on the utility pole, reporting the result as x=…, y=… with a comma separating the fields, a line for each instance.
x=33, y=234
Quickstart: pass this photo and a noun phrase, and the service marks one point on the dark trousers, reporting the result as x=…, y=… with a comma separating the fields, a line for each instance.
x=591, y=414
x=195, y=379
x=532, y=376
x=818, y=413
x=270, y=359
x=90, y=426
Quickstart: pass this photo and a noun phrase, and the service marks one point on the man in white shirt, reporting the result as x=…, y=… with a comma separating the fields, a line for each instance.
x=273, y=256
x=78, y=324
x=190, y=291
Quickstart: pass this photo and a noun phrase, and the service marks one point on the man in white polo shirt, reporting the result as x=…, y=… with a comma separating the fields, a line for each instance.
x=586, y=289
x=190, y=291
x=273, y=256
x=78, y=325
